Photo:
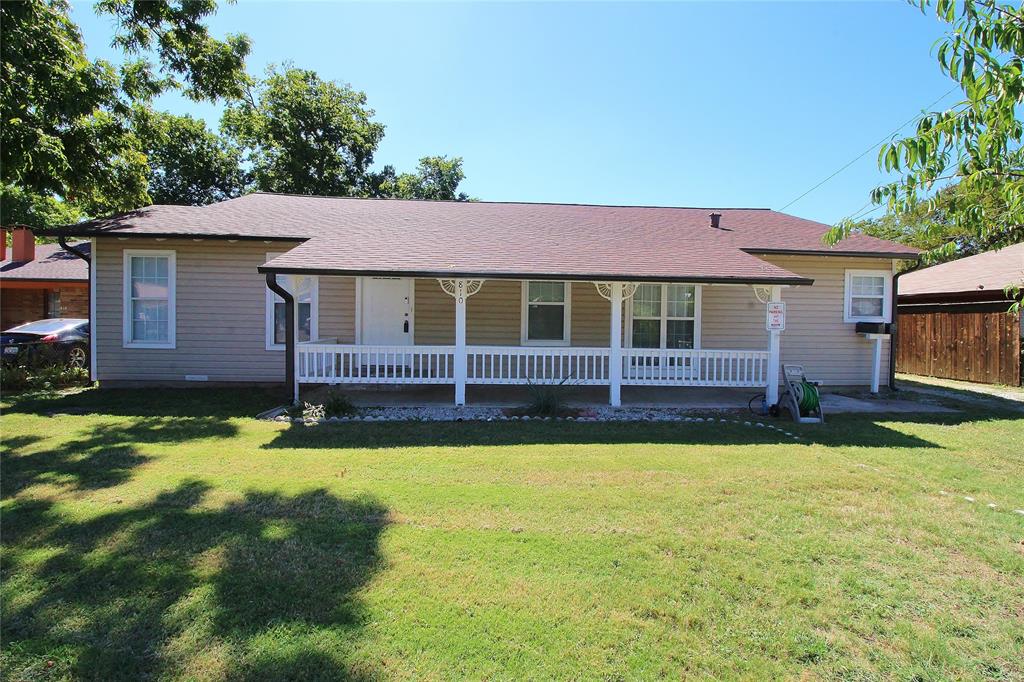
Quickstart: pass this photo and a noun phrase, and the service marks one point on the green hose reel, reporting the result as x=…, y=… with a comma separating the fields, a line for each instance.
x=807, y=398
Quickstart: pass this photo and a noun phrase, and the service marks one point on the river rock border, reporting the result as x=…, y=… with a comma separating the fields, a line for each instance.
x=494, y=414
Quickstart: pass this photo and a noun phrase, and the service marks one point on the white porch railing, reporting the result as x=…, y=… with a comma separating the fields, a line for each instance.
x=330, y=363
x=659, y=367
x=536, y=365
x=351, y=364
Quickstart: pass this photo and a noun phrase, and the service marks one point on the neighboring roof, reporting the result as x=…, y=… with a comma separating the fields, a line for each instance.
x=990, y=271
x=446, y=238
x=51, y=263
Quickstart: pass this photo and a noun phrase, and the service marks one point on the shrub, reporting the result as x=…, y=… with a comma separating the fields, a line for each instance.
x=45, y=371
x=545, y=400
x=337, y=404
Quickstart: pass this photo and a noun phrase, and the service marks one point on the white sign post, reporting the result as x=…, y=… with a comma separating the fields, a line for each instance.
x=776, y=320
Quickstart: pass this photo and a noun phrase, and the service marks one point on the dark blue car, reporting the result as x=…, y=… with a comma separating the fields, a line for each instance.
x=67, y=339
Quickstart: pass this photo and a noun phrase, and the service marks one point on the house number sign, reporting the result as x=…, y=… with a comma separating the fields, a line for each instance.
x=776, y=321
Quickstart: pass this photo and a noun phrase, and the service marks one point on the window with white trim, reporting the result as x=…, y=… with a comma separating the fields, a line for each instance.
x=149, y=305
x=665, y=316
x=545, y=313
x=868, y=296
x=305, y=289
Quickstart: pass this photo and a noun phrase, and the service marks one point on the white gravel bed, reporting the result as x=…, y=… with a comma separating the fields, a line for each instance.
x=490, y=414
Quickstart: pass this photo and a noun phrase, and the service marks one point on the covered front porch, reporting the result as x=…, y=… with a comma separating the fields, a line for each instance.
x=589, y=369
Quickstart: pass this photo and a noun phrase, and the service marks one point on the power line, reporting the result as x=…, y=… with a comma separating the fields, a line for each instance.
x=866, y=151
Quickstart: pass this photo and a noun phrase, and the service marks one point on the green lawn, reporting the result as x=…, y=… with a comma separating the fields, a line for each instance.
x=212, y=546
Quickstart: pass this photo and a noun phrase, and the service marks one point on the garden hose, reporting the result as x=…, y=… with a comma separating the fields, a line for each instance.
x=807, y=398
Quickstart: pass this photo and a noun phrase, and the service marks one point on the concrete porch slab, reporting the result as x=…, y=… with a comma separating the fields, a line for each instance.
x=704, y=398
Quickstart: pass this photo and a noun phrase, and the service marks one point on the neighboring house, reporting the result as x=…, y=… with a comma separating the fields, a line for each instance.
x=417, y=292
x=954, y=320
x=40, y=281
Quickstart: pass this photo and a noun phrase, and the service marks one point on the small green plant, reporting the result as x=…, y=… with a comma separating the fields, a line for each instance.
x=45, y=370
x=546, y=400
x=337, y=404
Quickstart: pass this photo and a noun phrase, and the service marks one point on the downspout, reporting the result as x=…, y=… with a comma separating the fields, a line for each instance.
x=894, y=330
x=63, y=241
x=289, y=336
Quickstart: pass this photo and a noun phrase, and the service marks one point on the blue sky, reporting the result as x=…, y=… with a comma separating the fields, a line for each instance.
x=686, y=104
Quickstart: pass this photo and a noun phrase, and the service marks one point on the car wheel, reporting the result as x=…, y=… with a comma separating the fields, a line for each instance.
x=78, y=357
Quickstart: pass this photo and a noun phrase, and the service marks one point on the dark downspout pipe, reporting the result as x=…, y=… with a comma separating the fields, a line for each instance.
x=62, y=240
x=894, y=330
x=289, y=334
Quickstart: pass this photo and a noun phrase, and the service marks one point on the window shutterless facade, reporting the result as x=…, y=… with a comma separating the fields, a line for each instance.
x=868, y=296
x=149, y=298
x=665, y=316
x=546, y=313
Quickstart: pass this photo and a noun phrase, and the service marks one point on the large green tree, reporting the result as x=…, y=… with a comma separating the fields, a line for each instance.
x=66, y=138
x=932, y=226
x=436, y=177
x=305, y=135
x=974, y=145
x=188, y=163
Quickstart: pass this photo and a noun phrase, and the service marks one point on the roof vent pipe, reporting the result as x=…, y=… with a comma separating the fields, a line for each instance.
x=715, y=218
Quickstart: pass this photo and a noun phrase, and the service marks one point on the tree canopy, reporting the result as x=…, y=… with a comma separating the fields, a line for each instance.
x=188, y=164
x=67, y=134
x=436, y=177
x=961, y=183
x=79, y=136
x=304, y=135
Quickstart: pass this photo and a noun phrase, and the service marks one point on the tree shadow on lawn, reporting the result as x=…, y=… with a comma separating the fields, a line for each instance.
x=841, y=430
x=152, y=402
x=103, y=457
x=263, y=588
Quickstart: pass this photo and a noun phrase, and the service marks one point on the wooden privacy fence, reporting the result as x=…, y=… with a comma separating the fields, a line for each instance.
x=970, y=346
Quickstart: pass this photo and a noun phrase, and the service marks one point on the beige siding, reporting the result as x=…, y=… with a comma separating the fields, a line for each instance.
x=338, y=309
x=591, y=316
x=815, y=337
x=221, y=314
x=221, y=311
x=434, y=316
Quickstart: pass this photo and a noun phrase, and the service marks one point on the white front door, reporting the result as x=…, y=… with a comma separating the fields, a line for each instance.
x=386, y=314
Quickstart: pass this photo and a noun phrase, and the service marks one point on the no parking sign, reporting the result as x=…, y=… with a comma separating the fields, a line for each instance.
x=776, y=321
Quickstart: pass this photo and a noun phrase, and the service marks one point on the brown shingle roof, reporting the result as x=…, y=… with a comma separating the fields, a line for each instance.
x=502, y=239
x=51, y=264
x=990, y=271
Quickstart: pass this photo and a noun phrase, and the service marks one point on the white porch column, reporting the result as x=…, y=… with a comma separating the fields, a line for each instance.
x=460, y=342
x=460, y=290
x=615, y=348
x=771, y=391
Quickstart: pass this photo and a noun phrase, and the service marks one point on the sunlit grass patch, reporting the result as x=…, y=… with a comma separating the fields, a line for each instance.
x=212, y=546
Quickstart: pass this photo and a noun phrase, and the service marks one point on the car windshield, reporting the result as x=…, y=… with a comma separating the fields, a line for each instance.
x=46, y=326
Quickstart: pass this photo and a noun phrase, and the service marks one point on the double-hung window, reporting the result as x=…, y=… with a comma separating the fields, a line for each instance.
x=868, y=296
x=305, y=291
x=665, y=316
x=149, y=306
x=53, y=307
x=545, y=314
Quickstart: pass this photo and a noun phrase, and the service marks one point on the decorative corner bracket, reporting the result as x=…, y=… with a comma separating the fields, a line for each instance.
x=605, y=290
x=460, y=289
x=763, y=294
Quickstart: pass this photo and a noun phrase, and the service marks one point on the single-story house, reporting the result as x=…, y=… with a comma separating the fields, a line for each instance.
x=326, y=290
x=955, y=320
x=40, y=281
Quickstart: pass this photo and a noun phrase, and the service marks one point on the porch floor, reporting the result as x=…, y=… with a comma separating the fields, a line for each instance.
x=690, y=398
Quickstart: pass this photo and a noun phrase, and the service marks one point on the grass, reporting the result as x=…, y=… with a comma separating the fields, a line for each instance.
x=210, y=546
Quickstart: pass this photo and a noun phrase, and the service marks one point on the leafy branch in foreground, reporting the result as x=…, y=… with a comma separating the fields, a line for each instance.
x=974, y=145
